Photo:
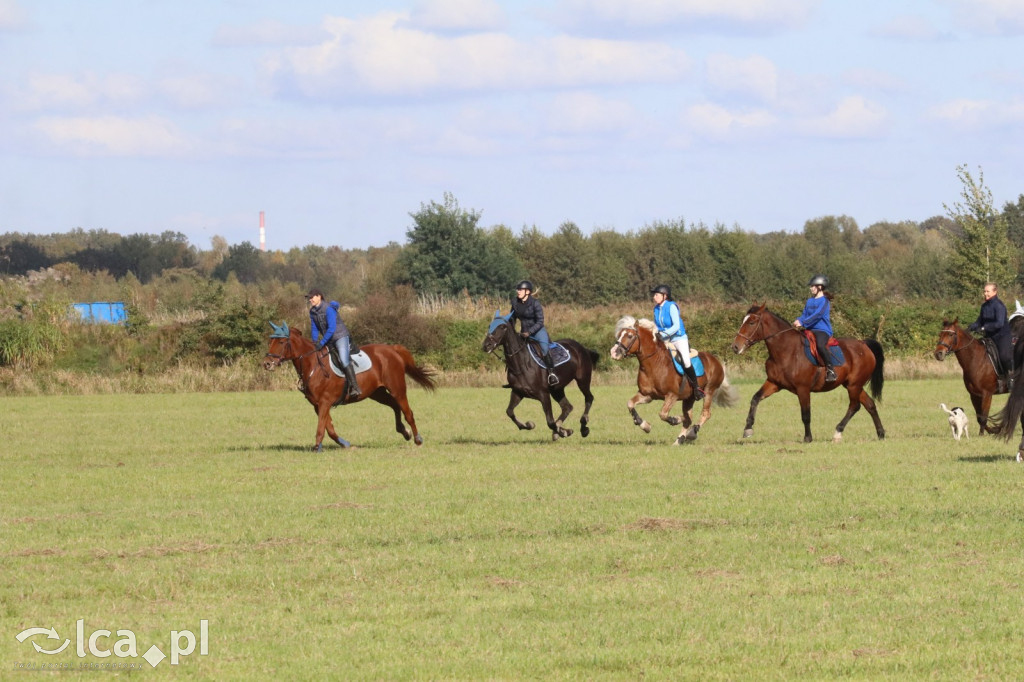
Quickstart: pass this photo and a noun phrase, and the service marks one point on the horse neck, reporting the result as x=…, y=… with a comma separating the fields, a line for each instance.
x=515, y=348
x=775, y=338
x=968, y=349
x=652, y=351
x=300, y=347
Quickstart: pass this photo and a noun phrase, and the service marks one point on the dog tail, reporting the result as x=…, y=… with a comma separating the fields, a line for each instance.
x=945, y=409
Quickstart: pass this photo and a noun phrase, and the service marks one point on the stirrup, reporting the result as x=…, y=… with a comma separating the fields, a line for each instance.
x=830, y=374
x=552, y=378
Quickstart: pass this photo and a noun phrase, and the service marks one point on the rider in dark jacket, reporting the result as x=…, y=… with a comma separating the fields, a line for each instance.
x=992, y=323
x=530, y=314
x=328, y=329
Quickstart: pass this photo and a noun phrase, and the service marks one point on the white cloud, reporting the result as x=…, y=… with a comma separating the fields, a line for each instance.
x=754, y=76
x=12, y=16
x=268, y=34
x=968, y=114
x=585, y=114
x=853, y=117
x=458, y=15
x=756, y=15
x=115, y=136
x=717, y=122
x=50, y=91
x=990, y=17
x=908, y=27
x=380, y=56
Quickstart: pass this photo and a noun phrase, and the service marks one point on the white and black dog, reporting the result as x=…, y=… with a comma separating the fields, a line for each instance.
x=957, y=421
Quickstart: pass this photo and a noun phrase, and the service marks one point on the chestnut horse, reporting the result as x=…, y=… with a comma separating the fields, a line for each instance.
x=527, y=379
x=787, y=367
x=657, y=378
x=384, y=381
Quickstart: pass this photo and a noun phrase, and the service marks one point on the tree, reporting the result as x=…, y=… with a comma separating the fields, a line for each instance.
x=982, y=253
x=447, y=253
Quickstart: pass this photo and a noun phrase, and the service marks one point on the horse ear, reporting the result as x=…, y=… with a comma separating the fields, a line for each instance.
x=957, y=319
x=497, y=313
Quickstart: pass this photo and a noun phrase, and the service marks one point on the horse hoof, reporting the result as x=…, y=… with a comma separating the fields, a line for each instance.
x=837, y=437
x=646, y=427
x=584, y=430
x=1020, y=455
x=747, y=433
x=318, y=447
x=419, y=439
x=407, y=435
x=691, y=434
x=674, y=421
x=808, y=439
x=530, y=426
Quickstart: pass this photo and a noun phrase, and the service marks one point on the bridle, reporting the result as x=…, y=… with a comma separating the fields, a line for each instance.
x=956, y=338
x=509, y=352
x=750, y=340
x=278, y=358
x=627, y=350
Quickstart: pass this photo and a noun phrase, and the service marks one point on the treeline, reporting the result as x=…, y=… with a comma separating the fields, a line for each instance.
x=449, y=254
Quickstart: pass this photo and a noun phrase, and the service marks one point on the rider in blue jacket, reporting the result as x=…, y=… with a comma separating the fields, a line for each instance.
x=993, y=324
x=328, y=329
x=816, y=318
x=670, y=328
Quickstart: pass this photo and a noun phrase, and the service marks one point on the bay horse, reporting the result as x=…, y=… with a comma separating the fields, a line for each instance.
x=384, y=381
x=657, y=378
x=980, y=378
x=788, y=368
x=527, y=379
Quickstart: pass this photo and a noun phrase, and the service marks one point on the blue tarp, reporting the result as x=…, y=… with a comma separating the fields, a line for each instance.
x=101, y=312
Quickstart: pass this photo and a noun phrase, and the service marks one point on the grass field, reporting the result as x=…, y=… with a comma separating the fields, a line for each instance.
x=494, y=553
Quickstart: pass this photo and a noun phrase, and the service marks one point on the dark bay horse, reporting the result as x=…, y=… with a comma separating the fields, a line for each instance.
x=657, y=378
x=787, y=367
x=384, y=381
x=980, y=378
x=527, y=379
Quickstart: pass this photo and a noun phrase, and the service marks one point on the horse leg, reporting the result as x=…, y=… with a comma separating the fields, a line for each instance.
x=980, y=413
x=639, y=399
x=334, y=434
x=986, y=403
x=666, y=408
x=557, y=431
x=872, y=409
x=804, y=396
x=588, y=398
x=514, y=400
x=1020, y=448
x=563, y=403
x=854, y=394
x=690, y=434
x=766, y=390
x=383, y=397
x=323, y=414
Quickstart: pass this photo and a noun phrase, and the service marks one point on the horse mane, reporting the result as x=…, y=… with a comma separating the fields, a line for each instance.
x=646, y=324
x=624, y=321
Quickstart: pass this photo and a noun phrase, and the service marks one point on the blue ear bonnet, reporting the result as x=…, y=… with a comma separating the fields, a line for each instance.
x=498, y=320
x=280, y=331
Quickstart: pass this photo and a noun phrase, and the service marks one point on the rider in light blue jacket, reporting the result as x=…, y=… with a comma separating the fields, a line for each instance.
x=671, y=329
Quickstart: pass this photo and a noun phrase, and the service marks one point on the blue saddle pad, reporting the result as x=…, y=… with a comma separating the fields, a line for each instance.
x=695, y=362
x=559, y=355
x=835, y=352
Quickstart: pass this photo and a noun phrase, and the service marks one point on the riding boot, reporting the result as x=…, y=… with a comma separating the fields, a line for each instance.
x=552, y=377
x=351, y=385
x=830, y=372
x=691, y=376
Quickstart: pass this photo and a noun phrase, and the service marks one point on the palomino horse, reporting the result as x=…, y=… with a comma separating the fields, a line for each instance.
x=658, y=379
x=787, y=367
x=384, y=381
x=527, y=379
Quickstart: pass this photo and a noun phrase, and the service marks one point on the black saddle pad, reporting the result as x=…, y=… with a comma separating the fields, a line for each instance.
x=559, y=355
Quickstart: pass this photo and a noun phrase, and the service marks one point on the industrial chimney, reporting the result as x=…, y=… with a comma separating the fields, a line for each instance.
x=263, y=233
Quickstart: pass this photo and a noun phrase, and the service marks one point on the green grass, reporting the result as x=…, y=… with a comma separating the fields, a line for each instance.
x=493, y=553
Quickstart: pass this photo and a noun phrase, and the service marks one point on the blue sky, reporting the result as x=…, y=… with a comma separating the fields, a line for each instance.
x=339, y=119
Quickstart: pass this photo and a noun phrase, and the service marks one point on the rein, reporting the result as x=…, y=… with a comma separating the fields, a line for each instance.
x=956, y=338
x=636, y=340
x=750, y=340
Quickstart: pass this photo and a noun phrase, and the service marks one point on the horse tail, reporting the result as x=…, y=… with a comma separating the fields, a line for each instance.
x=878, y=376
x=594, y=356
x=423, y=377
x=727, y=395
x=1004, y=423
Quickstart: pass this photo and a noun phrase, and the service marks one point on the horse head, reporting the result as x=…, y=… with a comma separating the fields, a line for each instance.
x=498, y=331
x=949, y=339
x=279, y=343
x=627, y=338
x=751, y=329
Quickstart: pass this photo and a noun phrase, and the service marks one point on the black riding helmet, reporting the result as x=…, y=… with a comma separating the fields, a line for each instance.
x=819, y=281
x=662, y=289
x=525, y=284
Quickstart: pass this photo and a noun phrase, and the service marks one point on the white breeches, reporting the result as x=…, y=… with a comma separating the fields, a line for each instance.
x=682, y=344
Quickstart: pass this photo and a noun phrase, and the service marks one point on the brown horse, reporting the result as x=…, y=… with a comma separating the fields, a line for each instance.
x=384, y=381
x=980, y=378
x=528, y=380
x=657, y=378
x=787, y=367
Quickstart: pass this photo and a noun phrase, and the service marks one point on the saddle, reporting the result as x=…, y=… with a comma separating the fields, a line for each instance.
x=811, y=350
x=559, y=354
x=1002, y=373
x=677, y=360
x=360, y=363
